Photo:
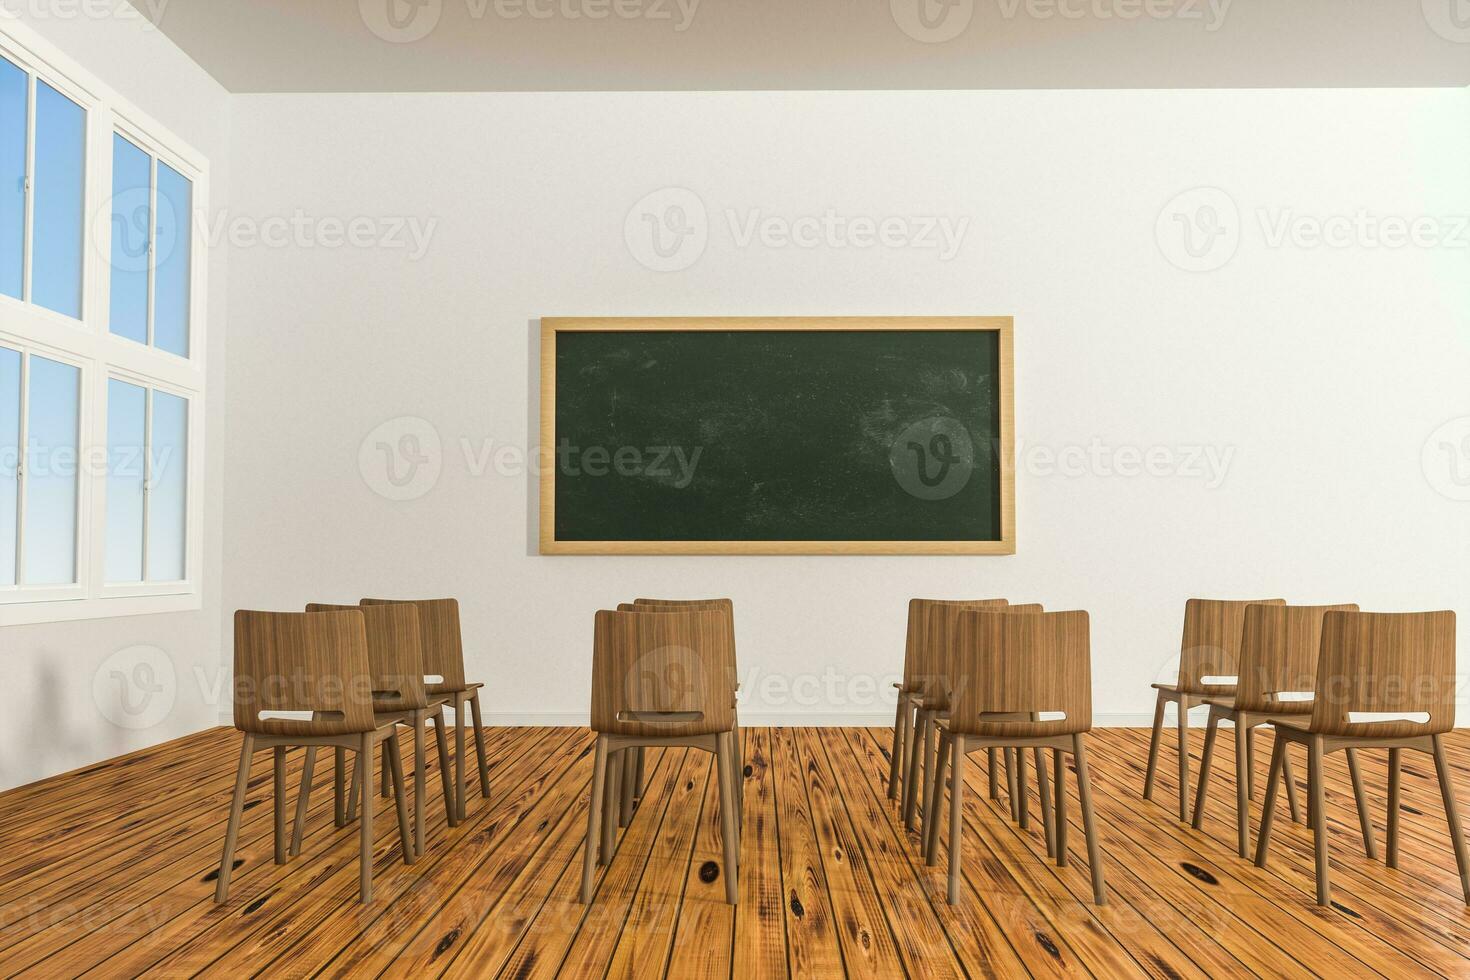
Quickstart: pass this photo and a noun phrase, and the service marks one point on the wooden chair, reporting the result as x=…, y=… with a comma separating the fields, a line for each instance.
x=909, y=689
x=312, y=664
x=443, y=649
x=633, y=765
x=396, y=665
x=939, y=691
x=661, y=678
x=1397, y=664
x=1008, y=672
x=1207, y=655
x=913, y=734
x=1278, y=655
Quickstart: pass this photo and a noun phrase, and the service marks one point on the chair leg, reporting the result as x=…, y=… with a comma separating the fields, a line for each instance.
x=638, y=775
x=1212, y=731
x=629, y=774
x=1268, y=811
x=1023, y=795
x=303, y=800
x=931, y=754
x=1244, y=746
x=612, y=791
x=460, y=775
x=420, y=753
x=339, y=787
x=1365, y=819
x=1394, y=804
x=895, y=757
x=1291, y=793
x=1153, y=747
x=992, y=770
x=932, y=810
x=1183, y=758
x=279, y=801
x=385, y=788
x=911, y=771
x=400, y=798
x=480, y=746
x=1059, y=787
x=1089, y=824
x=354, y=789
x=446, y=776
x=956, y=804
x=1009, y=755
x=1447, y=791
x=590, y=858
x=1317, y=794
x=365, y=822
x=232, y=826
x=729, y=826
x=1249, y=737
x=1048, y=828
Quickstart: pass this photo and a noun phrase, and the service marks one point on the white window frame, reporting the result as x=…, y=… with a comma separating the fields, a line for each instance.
x=89, y=344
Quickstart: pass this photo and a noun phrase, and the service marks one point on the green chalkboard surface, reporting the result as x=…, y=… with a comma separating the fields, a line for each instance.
x=760, y=435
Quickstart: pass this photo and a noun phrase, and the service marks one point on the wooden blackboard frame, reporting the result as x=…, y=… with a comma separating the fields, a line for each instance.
x=1000, y=325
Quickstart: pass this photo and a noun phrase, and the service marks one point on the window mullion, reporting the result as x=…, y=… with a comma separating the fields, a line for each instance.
x=21, y=467
x=28, y=222
x=147, y=472
x=151, y=233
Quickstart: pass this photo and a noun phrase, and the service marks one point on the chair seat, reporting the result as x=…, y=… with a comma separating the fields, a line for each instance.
x=1176, y=689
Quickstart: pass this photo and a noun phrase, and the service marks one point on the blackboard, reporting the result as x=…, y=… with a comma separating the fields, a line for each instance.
x=777, y=435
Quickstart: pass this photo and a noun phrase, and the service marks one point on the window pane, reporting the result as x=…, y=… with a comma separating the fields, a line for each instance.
x=168, y=469
x=56, y=242
x=126, y=446
x=12, y=177
x=9, y=456
x=171, y=271
x=50, y=536
x=128, y=308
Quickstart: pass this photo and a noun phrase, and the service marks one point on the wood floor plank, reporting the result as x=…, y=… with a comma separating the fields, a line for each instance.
x=813, y=948
x=760, y=925
x=830, y=882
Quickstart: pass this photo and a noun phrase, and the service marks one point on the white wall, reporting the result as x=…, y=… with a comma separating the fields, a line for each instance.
x=1323, y=370
x=51, y=722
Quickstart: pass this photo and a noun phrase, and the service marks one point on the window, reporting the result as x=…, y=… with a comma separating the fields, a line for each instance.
x=101, y=347
x=151, y=249
x=147, y=485
x=40, y=412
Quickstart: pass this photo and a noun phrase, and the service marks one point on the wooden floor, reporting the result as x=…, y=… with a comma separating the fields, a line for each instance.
x=109, y=871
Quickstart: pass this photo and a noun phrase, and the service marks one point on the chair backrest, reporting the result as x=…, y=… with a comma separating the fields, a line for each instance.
x=663, y=673
x=1005, y=664
x=395, y=653
x=1211, y=644
x=443, y=648
x=938, y=686
x=726, y=606
x=684, y=602
x=917, y=659
x=1386, y=663
x=1278, y=653
x=298, y=662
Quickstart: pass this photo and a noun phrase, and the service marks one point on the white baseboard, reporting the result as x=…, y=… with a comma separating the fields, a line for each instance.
x=787, y=719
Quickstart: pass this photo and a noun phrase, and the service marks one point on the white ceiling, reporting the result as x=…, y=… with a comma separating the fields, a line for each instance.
x=540, y=45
